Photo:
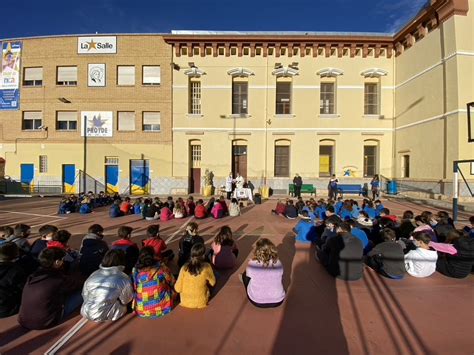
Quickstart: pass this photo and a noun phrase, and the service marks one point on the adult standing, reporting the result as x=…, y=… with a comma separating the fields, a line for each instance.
x=297, y=182
x=375, y=186
x=228, y=185
x=332, y=187
x=239, y=181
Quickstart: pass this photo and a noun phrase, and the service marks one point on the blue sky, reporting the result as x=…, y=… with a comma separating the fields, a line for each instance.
x=22, y=18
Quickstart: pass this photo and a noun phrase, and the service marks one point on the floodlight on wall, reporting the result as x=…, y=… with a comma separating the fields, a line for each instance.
x=470, y=124
x=278, y=65
x=191, y=65
x=294, y=65
x=64, y=100
x=175, y=66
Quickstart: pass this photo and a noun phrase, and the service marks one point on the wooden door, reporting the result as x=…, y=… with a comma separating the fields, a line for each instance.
x=195, y=183
x=239, y=160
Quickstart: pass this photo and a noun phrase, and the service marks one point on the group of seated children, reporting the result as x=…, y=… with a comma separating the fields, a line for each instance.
x=347, y=236
x=154, y=209
x=47, y=281
x=85, y=203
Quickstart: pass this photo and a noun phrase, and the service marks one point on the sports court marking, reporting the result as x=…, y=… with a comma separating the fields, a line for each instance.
x=65, y=338
x=33, y=214
x=180, y=229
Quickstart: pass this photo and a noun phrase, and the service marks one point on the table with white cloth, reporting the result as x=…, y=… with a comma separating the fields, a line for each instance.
x=243, y=193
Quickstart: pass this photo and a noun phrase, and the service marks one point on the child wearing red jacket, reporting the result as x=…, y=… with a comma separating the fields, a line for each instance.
x=159, y=246
x=130, y=248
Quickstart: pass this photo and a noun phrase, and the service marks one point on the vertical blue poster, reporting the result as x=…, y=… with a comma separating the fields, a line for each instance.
x=10, y=76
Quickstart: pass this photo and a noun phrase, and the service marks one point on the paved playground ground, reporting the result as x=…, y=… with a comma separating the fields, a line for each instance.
x=320, y=314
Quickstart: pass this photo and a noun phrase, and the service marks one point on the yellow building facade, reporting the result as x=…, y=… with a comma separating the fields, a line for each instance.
x=161, y=109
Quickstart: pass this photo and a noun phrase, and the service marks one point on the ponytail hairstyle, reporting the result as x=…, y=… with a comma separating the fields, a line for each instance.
x=265, y=252
x=196, y=263
x=146, y=258
x=224, y=237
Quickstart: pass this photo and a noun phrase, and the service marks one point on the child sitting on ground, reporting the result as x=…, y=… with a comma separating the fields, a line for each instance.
x=234, y=208
x=108, y=291
x=153, y=284
x=190, y=206
x=210, y=205
x=225, y=209
x=60, y=241
x=150, y=211
x=217, y=210
x=200, y=211
x=154, y=241
x=178, y=211
x=421, y=262
x=130, y=248
x=137, y=206
x=280, y=208
x=47, y=233
x=263, y=276
x=290, y=210
x=224, y=251
x=165, y=213
x=190, y=238
x=387, y=257
x=85, y=206
x=305, y=230
x=20, y=234
x=194, y=279
x=126, y=206
x=114, y=210
x=93, y=249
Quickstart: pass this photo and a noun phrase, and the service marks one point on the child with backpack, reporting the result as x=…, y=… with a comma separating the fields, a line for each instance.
x=190, y=238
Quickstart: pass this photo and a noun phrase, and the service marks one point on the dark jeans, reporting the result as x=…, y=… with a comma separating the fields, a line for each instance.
x=297, y=191
x=246, y=281
x=229, y=194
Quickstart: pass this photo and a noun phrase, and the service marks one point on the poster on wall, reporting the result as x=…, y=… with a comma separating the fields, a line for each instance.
x=96, y=75
x=97, y=123
x=10, y=75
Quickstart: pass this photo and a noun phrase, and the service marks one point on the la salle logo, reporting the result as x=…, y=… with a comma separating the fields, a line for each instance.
x=96, y=45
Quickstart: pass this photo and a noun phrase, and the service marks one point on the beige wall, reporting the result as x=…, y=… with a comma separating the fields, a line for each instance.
x=19, y=146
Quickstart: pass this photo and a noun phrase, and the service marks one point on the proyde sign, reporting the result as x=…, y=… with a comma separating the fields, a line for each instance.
x=97, y=123
x=97, y=45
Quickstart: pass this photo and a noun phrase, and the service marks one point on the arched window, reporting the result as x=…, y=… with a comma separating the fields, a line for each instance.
x=282, y=158
x=327, y=149
x=328, y=90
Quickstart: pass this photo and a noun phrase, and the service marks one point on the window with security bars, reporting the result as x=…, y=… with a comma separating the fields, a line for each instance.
x=66, y=76
x=33, y=76
x=239, y=98
x=196, y=153
x=195, y=97
x=32, y=120
x=327, y=99
x=111, y=160
x=151, y=121
x=370, y=160
x=283, y=98
x=282, y=161
x=66, y=120
x=43, y=164
x=371, y=99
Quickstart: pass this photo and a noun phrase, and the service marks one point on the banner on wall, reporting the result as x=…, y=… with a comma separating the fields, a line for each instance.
x=98, y=123
x=10, y=75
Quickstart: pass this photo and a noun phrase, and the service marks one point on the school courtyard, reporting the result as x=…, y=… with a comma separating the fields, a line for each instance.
x=320, y=315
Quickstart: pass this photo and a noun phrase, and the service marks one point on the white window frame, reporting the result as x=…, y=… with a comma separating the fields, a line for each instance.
x=195, y=93
x=36, y=121
x=43, y=164
x=120, y=75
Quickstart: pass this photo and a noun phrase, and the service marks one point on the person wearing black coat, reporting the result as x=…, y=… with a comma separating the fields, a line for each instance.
x=92, y=250
x=12, y=280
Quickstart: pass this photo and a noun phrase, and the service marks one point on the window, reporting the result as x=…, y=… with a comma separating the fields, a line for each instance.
x=194, y=97
x=33, y=77
x=151, y=75
x=239, y=97
x=282, y=160
x=32, y=120
x=151, y=121
x=195, y=153
x=405, y=166
x=126, y=121
x=327, y=99
x=43, y=163
x=66, y=76
x=326, y=158
x=283, y=98
x=371, y=99
x=126, y=75
x=111, y=160
x=370, y=160
x=66, y=120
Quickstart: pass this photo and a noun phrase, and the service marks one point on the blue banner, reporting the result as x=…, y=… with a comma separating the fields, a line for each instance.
x=10, y=75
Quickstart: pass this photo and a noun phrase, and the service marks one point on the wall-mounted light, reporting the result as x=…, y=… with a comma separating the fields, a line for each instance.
x=64, y=100
x=191, y=65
